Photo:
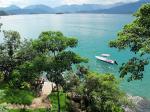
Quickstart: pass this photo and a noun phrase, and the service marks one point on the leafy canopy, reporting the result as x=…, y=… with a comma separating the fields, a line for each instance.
x=101, y=93
x=16, y=56
x=55, y=47
x=136, y=37
x=59, y=57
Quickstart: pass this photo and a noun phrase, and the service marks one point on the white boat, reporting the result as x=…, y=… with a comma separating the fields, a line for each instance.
x=106, y=60
x=105, y=55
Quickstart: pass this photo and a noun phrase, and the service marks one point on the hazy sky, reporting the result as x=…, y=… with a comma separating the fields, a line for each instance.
x=54, y=3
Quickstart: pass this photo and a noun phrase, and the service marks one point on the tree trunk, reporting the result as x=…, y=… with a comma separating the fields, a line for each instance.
x=58, y=98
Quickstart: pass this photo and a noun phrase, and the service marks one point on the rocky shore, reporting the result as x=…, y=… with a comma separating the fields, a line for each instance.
x=140, y=104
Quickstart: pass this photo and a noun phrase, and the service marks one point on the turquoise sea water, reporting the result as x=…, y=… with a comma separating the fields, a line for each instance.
x=93, y=31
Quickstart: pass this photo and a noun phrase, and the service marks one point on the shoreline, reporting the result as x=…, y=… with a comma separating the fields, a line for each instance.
x=140, y=104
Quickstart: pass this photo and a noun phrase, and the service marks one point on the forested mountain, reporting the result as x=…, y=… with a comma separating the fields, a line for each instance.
x=119, y=8
x=3, y=13
x=123, y=9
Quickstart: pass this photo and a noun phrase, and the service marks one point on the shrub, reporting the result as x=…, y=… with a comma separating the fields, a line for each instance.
x=100, y=93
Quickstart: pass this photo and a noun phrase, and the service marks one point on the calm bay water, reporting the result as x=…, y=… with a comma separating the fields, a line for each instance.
x=93, y=31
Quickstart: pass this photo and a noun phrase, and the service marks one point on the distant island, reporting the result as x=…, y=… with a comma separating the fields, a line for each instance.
x=59, y=13
x=119, y=8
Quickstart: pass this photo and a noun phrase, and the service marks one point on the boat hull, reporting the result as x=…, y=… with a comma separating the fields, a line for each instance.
x=105, y=60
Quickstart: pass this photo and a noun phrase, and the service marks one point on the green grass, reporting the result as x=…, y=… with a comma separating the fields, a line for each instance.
x=36, y=110
x=4, y=86
x=15, y=96
x=18, y=96
x=53, y=100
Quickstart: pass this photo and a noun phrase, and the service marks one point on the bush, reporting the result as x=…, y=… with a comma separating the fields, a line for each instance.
x=98, y=93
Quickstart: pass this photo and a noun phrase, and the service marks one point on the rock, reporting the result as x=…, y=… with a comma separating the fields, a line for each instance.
x=47, y=88
x=140, y=104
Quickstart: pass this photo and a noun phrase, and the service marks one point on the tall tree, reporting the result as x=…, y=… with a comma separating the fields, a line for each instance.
x=14, y=52
x=7, y=52
x=56, y=47
x=136, y=37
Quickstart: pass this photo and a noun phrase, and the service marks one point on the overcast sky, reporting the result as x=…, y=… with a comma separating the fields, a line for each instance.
x=53, y=3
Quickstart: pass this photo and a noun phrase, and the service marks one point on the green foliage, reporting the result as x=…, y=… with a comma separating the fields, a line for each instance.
x=58, y=58
x=54, y=42
x=18, y=61
x=15, y=96
x=54, y=102
x=1, y=77
x=14, y=53
x=54, y=45
x=27, y=110
x=101, y=93
x=71, y=81
x=2, y=95
x=135, y=67
x=18, y=97
x=136, y=37
x=25, y=75
x=7, y=52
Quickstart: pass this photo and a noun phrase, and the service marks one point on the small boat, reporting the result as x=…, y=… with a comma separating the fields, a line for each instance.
x=106, y=60
x=105, y=55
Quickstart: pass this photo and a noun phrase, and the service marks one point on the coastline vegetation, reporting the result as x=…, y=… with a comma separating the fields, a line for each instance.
x=24, y=62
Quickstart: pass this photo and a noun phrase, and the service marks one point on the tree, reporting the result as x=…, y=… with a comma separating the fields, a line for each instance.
x=100, y=93
x=136, y=37
x=59, y=59
x=7, y=52
x=72, y=81
x=12, y=53
x=17, y=60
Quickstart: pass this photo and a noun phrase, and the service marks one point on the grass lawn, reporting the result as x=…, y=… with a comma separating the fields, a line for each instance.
x=15, y=96
x=36, y=110
x=18, y=96
x=53, y=100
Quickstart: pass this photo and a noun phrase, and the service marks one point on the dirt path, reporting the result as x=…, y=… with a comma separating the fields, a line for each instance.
x=39, y=102
x=42, y=101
